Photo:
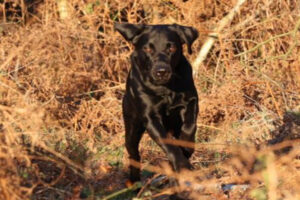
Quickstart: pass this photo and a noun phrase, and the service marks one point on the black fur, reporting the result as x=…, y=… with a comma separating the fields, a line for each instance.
x=160, y=94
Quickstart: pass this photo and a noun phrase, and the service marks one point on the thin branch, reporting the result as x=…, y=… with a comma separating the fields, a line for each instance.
x=76, y=168
x=263, y=43
x=292, y=32
x=63, y=9
x=212, y=37
x=132, y=188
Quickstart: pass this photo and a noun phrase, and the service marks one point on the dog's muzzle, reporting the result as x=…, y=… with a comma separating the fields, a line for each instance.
x=162, y=74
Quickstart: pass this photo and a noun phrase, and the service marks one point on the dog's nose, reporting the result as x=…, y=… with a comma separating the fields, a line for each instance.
x=162, y=72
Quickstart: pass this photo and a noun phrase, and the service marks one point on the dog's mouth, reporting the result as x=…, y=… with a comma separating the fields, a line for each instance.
x=161, y=81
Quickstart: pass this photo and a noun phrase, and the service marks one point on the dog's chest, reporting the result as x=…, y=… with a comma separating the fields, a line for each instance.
x=171, y=102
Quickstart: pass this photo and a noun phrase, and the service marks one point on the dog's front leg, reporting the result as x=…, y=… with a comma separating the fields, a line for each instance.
x=174, y=153
x=134, y=130
x=189, y=125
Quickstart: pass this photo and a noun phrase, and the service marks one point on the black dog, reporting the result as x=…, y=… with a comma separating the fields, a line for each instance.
x=160, y=94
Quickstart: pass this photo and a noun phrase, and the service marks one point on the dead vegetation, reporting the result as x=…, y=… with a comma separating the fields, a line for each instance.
x=62, y=73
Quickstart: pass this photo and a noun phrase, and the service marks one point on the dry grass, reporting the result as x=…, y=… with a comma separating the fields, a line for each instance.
x=62, y=73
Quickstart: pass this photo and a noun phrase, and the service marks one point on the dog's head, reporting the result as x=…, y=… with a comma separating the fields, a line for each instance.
x=158, y=48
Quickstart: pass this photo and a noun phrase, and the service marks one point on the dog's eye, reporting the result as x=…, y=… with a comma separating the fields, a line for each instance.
x=148, y=50
x=172, y=49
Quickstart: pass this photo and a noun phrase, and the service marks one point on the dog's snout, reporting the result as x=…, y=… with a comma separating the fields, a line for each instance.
x=162, y=71
x=162, y=74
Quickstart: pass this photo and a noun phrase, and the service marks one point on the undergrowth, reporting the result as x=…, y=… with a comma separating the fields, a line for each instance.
x=62, y=77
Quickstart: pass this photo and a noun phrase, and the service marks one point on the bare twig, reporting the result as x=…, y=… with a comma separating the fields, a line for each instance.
x=213, y=36
x=292, y=32
x=63, y=9
x=132, y=188
x=76, y=168
x=264, y=42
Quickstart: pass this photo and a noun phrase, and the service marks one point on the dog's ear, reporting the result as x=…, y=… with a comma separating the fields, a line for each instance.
x=129, y=31
x=187, y=35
